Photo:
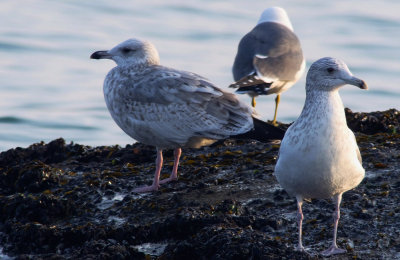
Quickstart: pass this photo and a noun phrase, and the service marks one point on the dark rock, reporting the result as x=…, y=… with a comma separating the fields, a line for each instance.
x=69, y=201
x=374, y=122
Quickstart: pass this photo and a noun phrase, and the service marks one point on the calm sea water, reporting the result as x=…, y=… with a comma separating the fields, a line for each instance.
x=49, y=87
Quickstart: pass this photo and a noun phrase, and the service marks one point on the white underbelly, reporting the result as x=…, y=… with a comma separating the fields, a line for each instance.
x=320, y=169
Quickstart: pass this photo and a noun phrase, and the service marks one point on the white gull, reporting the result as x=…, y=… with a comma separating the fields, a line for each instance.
x=170, y=108
x=269, y=59
x=319, y=156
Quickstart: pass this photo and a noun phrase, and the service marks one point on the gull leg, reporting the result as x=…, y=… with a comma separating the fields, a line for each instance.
x=156, y=181
x=174, y=173
x=277, y=100
x=333, y=249
x=300, y=223
x=253, y=101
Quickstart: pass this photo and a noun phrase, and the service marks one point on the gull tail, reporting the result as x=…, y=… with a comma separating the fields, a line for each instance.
x=262, y=131
x=259, y=89
x=251, y=84
x=248, y=80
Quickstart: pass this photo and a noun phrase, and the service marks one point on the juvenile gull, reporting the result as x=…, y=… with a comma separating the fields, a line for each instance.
x=269, y=59
x=319, y=156
x=170, y=108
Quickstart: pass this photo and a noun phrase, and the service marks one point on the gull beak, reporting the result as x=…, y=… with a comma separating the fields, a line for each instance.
x=357, y=82
x=363, y=85
x=101, y=55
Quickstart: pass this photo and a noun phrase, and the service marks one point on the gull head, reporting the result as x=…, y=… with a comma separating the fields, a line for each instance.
x=130, y=53
x=328, y=74
x=276, y=15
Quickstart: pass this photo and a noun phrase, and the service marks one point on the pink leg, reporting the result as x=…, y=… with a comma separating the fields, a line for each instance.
x=300, y=223
x=156, y=181
x=333, y=249
x=174, y=173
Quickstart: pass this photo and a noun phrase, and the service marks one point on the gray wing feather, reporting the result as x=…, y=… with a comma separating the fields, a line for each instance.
x=176, y=106
x=278, y=43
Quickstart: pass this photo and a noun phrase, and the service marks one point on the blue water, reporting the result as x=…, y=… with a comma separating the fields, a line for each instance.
x=50, y=88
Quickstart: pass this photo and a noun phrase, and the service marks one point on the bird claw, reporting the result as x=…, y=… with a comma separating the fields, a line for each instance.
x=305, y=251
x=146, y=189
x=300, y=249
x=154, y=187
x=333, y=250
x=168, y=180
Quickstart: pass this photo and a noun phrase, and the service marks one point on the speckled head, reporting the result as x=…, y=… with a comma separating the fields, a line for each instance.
x=328, y=74
x=130, y=53
x=276, y=15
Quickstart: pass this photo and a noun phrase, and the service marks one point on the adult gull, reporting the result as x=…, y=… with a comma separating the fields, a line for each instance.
x=171, y=109
x=269, y=58
x=319, y=156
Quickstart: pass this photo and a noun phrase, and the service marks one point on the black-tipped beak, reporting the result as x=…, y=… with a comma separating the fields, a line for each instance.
x=363, y=85
x=356, y=82
x=100, y=55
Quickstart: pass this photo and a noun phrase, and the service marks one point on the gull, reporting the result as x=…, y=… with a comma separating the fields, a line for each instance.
x=169, y=108
x=319, y=156
x=269, y=59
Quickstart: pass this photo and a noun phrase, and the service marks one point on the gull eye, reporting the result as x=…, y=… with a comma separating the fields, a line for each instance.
x=330, y=70
x=126, y=50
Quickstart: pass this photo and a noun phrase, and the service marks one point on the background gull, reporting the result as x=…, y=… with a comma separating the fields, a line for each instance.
x=319, y=156
x=269, y=59
x=170, y=108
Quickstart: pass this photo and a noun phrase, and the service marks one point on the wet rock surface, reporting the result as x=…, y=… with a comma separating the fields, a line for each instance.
x=69, y=201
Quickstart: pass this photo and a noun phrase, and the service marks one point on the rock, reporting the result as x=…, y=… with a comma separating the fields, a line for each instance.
x=69, y=201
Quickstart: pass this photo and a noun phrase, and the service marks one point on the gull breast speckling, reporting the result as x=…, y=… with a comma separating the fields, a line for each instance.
x=170, y=108
x=319, y=156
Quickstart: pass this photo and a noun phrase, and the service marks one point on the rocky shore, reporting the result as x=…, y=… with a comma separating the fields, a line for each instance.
x=69, y=201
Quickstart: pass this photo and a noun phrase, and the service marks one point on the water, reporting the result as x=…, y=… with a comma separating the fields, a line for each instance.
x=50, y=88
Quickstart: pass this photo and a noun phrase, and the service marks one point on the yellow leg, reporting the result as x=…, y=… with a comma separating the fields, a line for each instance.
x=253, y=102
x=277, y=100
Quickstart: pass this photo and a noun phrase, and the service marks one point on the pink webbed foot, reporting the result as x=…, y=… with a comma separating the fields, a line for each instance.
x=171, y=178
x=303, y=250
x=159, y=163
x=174, y=174
x=299, y=249
x=333, y=250
x=146, y=189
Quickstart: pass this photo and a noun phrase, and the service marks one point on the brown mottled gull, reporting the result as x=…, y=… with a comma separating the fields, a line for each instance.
x=269, y=59
x=319, y=156
x=170, y=108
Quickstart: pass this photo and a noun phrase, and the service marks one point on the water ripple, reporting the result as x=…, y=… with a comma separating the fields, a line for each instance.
x=17, y=47
x=51, y=125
